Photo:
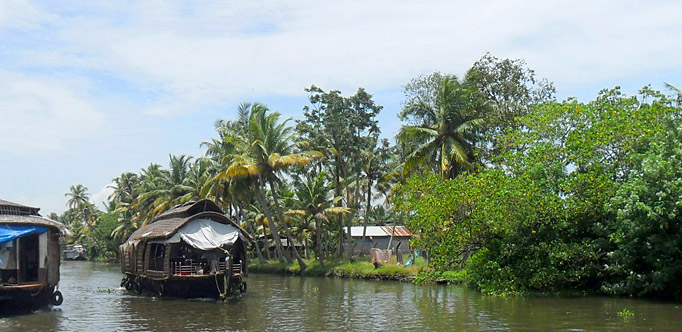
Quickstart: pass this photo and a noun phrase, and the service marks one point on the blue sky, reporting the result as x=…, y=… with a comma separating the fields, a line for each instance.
x=88, y=91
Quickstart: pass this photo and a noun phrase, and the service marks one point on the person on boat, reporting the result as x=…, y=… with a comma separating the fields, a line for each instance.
x=211, y=258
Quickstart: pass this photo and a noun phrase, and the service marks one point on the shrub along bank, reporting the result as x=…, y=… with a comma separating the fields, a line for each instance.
x=358, y=270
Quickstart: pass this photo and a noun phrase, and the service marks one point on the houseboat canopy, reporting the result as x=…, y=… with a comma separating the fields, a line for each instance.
x=11, y=232
x=206, y=234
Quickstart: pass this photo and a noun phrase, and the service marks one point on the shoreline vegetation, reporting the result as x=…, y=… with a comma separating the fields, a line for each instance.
x=516, y=191
x=418, y=273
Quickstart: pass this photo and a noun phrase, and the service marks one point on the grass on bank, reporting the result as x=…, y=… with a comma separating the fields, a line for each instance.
x=418, y=272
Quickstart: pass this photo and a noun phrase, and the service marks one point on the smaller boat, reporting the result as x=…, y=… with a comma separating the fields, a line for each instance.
x=74, y=252
x=29, y=257
x=192, y=250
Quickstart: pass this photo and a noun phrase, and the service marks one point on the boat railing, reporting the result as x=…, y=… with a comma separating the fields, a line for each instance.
x=189, y=268
x=236, y=269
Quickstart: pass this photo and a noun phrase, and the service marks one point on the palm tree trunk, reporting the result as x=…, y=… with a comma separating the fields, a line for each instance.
x=351, y=216
x=392, y=234
x=271, y=223
x=290, y=238
x=266, y=249
x=318, y=238
x=338, y=192
x=251, y=230
x=368, y=206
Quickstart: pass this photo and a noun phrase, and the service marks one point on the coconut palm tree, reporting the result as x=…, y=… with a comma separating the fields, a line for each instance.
x=78, y=197
x=125, y=188
x=79, y=200
x=265, y=150
x=314, y=199
x=447, y=133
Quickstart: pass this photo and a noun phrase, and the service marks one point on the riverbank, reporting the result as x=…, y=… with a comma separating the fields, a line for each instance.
x=417, y=273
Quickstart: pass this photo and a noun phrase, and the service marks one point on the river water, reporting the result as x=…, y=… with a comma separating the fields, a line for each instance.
x=94, y=302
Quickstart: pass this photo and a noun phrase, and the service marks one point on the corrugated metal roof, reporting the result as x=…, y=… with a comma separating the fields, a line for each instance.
x=400, y=231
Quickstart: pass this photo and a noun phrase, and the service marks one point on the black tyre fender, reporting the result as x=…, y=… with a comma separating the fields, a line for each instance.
x=128, y=285
x=124, y=281
x=138, y=287
x=243, y=287
x=57, y=298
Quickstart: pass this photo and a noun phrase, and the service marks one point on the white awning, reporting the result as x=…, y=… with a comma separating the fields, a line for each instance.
x=205, y=234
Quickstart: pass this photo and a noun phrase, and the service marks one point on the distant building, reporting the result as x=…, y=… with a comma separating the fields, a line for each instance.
x=379, y=236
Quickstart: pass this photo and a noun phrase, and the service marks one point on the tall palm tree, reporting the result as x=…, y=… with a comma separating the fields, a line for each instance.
x=314, y=200
x=78, y=197
x=79, y=201
x=265, y=150
x=125, y=188
x=677, y=91
x=447, y=133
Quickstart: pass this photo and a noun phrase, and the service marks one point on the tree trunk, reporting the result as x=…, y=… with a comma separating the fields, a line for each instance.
x=339, y=192
x=392, y=233
x=251, y=230
x=351, y=216
x=318, y=238
x=290, y=238
x=368, y=206
x=266, y=249
x=349, y=225
x=271, y=222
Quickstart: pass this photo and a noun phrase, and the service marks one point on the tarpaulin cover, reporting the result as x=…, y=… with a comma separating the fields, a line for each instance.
x=11, y=232
x=205, y=234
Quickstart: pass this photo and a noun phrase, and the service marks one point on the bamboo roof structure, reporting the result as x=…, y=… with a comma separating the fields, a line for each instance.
x=169, y=222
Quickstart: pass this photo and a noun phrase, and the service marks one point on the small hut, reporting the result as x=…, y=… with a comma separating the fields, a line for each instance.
x=380, y=236
x=192, y=250
x=29, y=257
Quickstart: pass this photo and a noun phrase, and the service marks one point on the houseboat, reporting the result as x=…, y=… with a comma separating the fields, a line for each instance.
x=74, y=252
x=29, y=257
x=192, y=250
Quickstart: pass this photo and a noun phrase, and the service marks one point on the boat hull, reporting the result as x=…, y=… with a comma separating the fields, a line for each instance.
x=25, y=297
x=205, y=286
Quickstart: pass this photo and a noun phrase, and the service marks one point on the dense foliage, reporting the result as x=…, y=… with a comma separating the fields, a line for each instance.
x=584, y=197
x=500, y=182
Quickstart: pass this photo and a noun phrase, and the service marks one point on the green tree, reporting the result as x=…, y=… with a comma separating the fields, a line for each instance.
x=314, y=200
x=647, y=235
x=344, y=128
x=445, y=132
x=511, y=90
x=265, y=150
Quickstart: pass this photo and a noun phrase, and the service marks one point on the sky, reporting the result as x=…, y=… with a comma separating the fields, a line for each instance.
x=90, y=89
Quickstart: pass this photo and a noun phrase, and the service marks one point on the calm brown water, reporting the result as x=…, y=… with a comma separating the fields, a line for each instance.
x=94, y=302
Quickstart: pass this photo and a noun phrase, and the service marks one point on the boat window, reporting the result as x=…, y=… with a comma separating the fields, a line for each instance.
x=157, y=257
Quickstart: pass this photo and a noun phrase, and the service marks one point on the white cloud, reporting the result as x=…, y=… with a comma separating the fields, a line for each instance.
x=42, y=114
x=101, y=196
x=76, y=77
x=196, y=56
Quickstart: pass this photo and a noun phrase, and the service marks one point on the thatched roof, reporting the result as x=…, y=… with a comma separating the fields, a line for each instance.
x=172, y=220
x=13, y=213
x=189, y=208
